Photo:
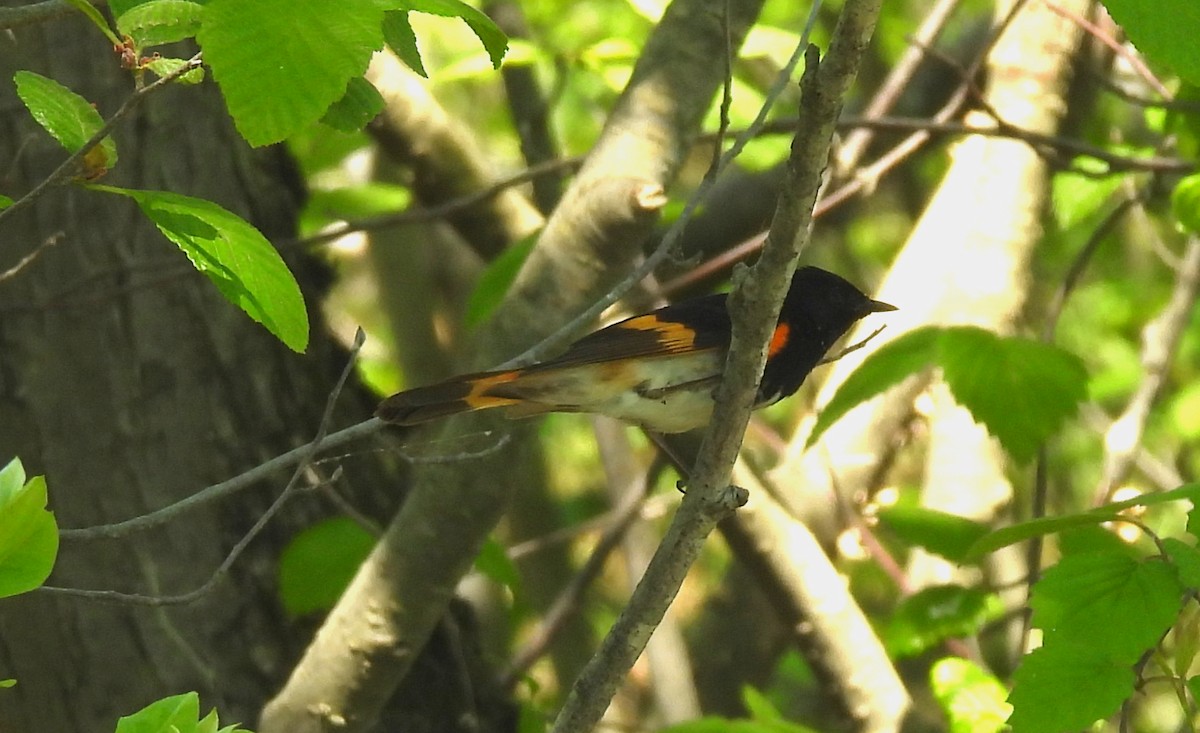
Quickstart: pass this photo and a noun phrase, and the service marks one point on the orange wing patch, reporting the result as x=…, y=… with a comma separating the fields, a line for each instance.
x=478, y=398
x=673, y=337
x=779, y=339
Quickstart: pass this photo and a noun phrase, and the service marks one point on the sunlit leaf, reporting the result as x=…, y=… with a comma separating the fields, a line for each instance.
x=235, y=256
x=68, y=117
x=157, y=22
x=971, y=697
x=28, y=533
x=1164, y=30
x=1116, y=604
x=282, y=63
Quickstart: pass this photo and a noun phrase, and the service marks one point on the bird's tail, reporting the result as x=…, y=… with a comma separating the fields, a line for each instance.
x=466, y=393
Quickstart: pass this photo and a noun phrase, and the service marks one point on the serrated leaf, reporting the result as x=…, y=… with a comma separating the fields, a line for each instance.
x=495, y=281
x=282, y=63
x=399, y=35
x=1117, y=605
x=234, y=255
x=1185, y=203
x=157, y=22
x=1164, y=30
x=358, y=106
x=1021, y=390
x=932, y=615
x=884, y=367
x=318, y=564
x=1066, y=687
x=68, y=117
x=489, y=34
x=941, y=533
x=493, y=562
x=28, y=533
x=970, y=696
x=163, y=66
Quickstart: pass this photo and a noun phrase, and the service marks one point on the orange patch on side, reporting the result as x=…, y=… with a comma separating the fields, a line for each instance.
x=779, y=339
x=478, y=398
x=673, y=336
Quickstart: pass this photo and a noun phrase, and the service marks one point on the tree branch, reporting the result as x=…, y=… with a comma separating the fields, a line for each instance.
x=754, y=307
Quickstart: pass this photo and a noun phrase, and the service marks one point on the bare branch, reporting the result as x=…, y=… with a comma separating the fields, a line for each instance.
x=754, y=307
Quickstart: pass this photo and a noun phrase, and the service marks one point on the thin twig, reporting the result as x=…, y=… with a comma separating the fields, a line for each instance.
x=28, y=259
x=68, y=167
x=302, y=455
x=755, y=306
x=288, y=490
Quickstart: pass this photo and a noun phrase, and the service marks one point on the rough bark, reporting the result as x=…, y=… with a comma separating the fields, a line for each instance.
x=368, y=643
x=130, y=382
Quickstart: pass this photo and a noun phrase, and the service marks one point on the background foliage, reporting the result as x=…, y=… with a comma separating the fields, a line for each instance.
x=1089, y=393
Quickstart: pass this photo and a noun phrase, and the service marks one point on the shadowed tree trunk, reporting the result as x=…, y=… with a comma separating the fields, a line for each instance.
x=130, y=383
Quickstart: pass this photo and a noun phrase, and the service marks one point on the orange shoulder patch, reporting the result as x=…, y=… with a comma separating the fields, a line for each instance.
x=673, y=337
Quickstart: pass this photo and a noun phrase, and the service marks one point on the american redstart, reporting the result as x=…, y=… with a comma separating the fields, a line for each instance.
x=657, y=370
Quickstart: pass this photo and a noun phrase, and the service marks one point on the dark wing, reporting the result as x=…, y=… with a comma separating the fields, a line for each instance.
x=697, y=324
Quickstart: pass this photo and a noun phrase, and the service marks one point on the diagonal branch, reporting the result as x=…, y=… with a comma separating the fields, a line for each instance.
x=755, y=305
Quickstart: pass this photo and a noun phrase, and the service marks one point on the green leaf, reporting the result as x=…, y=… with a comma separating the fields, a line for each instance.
x=495, y=281
x=28, y=533
x=68, y=117
x=1164, y=30
x=493, y=562
x=319, y=563
x=759, y=707
x=5, y=201
x=1021, y=390
x=97, y=19
x=1186, y=560
x=883, y=368
x=932, y=615
x=493, y=39
x=234, y=255
x=175, y=713
x=164, y=66
x=1078, y=198
x=1014, y=533
x=358, y=106
x=6, y=683
x=1117, y=605
x=398, y=33
x=1187, y=639
x=941, y=533
x=971, y=697
x=1067, y=687
x=282, y=63
x=157, y=22
x=1185, y=203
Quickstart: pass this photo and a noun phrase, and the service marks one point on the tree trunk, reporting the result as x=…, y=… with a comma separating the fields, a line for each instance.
x=130, y=383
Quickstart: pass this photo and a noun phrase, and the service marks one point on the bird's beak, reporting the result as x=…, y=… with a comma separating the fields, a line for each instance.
x=878, y=306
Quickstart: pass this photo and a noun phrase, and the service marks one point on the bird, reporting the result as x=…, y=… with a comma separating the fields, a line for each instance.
x=658, y=370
